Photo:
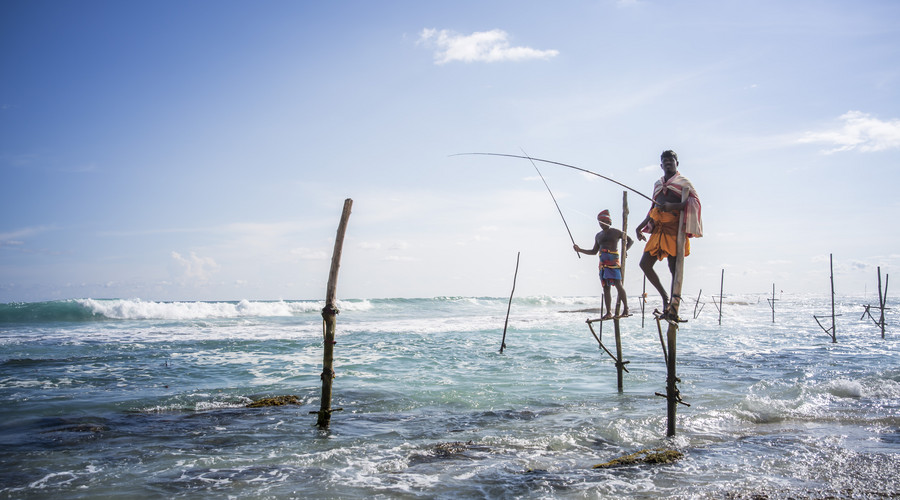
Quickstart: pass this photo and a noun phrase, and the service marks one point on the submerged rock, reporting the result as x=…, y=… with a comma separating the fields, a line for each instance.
x=274, y=401
x=655, y=456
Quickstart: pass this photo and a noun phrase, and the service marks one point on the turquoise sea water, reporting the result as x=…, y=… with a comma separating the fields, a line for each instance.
x=139, y=399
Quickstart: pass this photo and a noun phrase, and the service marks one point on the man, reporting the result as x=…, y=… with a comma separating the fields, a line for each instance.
x=662, y=224
x=606, y=242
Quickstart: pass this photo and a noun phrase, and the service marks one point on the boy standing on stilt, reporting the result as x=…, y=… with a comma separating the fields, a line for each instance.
x=606, y=243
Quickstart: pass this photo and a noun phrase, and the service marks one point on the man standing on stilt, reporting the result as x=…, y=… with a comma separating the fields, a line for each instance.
x=662, y=224
x=606, y=243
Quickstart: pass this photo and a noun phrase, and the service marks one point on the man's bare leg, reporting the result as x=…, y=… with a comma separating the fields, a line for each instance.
x=621, y=298
x=647, y=262
x=607, y=299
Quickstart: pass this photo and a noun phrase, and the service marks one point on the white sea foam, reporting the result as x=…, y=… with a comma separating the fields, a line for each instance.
x=140, y=309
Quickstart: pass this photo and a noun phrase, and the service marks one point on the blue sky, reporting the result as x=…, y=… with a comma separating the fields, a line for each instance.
x=202, y=150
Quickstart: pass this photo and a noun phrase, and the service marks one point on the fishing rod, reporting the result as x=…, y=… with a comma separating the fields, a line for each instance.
x=555, y=203
x=562, y=165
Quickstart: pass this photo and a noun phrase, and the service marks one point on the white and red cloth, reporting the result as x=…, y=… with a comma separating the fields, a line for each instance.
x=693, y=224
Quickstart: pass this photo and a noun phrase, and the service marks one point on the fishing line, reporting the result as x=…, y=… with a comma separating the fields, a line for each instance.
x=562, y=165
x=555, y=203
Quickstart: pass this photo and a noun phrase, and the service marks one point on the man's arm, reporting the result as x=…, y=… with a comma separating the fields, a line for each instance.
x=639, y=229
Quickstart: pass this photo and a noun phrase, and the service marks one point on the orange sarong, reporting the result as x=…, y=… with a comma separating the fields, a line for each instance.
x=663, y=241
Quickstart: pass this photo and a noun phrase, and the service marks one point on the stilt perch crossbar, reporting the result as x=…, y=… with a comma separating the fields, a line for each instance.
x=329, y=313
x=619, y=364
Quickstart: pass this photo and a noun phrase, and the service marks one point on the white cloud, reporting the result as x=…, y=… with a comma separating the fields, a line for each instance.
x=481, y=46
x=195, y=269
x=859, y=131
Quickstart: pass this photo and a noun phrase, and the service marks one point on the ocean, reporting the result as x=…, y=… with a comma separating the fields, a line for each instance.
x=140, y=399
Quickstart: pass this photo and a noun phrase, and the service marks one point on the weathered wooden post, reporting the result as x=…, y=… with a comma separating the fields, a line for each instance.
x=509, y=306
x=329, y=313
x=619, y=365
x=673, y=398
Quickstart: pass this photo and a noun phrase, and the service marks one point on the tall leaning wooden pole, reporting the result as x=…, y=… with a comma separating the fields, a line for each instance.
x=329, y=313
x=672, y=396
x=620, y=365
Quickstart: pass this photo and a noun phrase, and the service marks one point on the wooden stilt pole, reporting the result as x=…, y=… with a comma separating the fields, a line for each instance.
x=508, y=307
x=329, y=312
x=623, y=255
x=672, y=394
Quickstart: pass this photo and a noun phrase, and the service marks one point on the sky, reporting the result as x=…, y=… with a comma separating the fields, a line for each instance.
x=203, y=150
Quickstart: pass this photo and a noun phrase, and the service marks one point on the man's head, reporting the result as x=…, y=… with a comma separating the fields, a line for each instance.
x=668, y=160
x=604, y=219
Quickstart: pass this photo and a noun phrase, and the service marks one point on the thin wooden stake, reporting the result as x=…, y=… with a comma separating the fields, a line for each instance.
x=833, y=325
x=329, y=312
x=697, y=303
x=643, y=300
x=833, y=329
x=721, y=291
x=772, y=302
x=880, y=303
x=884, y=302
x=508, y=307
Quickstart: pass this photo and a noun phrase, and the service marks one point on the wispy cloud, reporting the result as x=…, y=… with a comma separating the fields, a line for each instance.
x=860, y=131
x=16, y=237
x=481, y=46
x=194, y=269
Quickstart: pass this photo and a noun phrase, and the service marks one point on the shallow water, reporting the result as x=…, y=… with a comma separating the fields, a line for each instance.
x=143, y=399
